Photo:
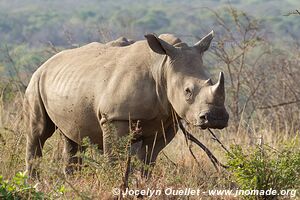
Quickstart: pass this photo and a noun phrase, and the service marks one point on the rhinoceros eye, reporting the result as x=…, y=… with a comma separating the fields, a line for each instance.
x=188, y=92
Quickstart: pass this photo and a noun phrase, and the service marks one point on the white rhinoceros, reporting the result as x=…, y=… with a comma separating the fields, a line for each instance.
x=86, y=91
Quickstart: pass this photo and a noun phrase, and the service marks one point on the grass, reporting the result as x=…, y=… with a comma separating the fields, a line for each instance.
x=175, y=167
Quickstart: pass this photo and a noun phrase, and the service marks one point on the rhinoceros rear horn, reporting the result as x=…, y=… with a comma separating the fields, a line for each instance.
x=218, y=89
x=204, y=43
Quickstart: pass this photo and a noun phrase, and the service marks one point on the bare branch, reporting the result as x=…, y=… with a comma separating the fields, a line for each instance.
x=296, y=12
x=217, y=164
x=278, y=105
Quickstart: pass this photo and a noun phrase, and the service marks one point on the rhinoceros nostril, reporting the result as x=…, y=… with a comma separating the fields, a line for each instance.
x=203, y=117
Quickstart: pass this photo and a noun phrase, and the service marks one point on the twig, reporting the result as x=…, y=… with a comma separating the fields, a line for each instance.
x=53, y=48
x=216, y=139
x=169, y=159
x=126, y=175
x=151, y=154
x=278, y=105
x=8, y=129
x=191, y=151
x=77, y=192
x=187, y=140
x=210, y=155
x=2, y=140
x=15, y=78
x=251, y=95
x=135, y=131
x=296, y=12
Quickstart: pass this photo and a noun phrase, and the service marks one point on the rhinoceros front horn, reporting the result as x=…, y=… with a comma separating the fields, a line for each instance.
x=218, y=89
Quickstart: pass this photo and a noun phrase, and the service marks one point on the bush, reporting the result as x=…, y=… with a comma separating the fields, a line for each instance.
x=18, y=188
x=263, y=167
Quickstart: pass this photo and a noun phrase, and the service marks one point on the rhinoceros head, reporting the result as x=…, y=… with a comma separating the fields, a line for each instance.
x=190, y=92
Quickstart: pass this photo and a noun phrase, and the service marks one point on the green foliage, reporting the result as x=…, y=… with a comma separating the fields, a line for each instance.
x=262, y=167
x=18, y=188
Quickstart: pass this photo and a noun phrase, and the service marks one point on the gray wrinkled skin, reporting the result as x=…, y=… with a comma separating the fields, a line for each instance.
x=86, y=91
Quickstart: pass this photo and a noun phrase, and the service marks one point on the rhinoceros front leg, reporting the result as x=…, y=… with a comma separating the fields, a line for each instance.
x=112, y=130
x=152, y=146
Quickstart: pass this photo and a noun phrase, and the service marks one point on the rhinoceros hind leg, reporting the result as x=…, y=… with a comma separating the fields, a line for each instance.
x=41, y=128
x=72, y=162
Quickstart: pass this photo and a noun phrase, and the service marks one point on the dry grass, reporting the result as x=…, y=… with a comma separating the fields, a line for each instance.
x=175, y=167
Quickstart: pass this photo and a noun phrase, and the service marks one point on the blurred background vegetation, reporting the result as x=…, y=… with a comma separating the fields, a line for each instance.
x=36, y=22
x=28, y=27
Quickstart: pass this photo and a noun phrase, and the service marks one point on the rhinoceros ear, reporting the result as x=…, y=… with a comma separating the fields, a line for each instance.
x=204, y=43
x=160, y=46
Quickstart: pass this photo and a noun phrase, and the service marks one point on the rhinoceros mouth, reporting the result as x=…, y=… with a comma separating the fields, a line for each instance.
x=203, y=127
x=216, y=124
x=212, y=122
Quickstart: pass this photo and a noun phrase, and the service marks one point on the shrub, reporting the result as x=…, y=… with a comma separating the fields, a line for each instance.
x=263, y=167
x=18, y=188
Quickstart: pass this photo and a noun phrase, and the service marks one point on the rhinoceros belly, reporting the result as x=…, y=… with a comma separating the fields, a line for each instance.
x=74, y=116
